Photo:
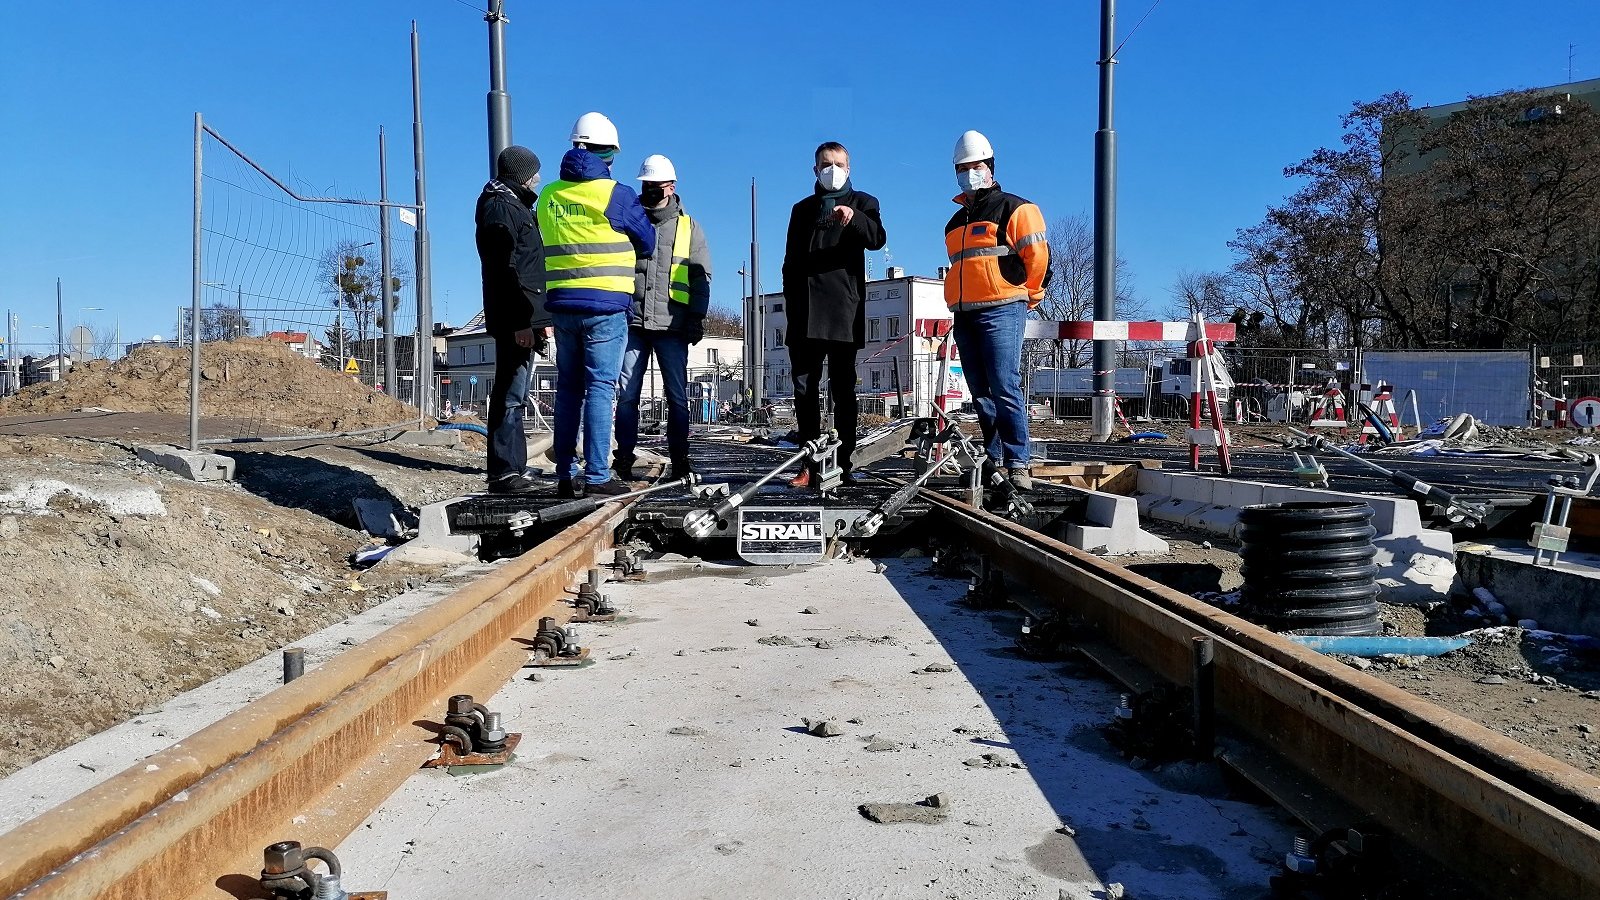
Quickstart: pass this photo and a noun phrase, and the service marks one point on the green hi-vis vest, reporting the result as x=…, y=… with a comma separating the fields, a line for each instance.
x=678, y=290
x=581, y=249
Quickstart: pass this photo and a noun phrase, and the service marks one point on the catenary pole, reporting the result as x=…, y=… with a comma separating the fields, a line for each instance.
x=1105, y=229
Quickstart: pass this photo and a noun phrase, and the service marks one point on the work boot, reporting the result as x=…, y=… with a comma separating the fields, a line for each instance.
x=609, y=488
x=1020, y=480
x=801, y=481
x=512, y=484
x=572, y=488
x=622, y=464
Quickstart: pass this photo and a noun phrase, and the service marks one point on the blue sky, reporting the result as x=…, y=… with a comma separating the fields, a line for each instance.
x=1214, y=99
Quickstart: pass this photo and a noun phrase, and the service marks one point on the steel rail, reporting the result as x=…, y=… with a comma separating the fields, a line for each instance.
x=1515, y=820
x=171, y=824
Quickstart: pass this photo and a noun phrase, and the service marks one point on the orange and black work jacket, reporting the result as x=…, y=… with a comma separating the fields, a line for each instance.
x=998, y=252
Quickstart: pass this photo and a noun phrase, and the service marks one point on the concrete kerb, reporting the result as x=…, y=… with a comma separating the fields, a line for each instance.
x=1415, y=564
x=195, y=465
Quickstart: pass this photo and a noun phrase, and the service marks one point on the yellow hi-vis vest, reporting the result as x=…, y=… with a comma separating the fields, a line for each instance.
x=581, y=249
x=678, y=288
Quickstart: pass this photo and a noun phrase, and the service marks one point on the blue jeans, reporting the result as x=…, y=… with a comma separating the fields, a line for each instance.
x=588, y=355
x=508, y=446
x=990, y=341
x=672, y=358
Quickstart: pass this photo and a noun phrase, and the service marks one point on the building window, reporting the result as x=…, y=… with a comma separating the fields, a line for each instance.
x=483, y=353
x=877, y=379
x=874, y=295
x=873, y=330
x=894, y=294
x=777, y=337
x=777, y=307
x=894, y=326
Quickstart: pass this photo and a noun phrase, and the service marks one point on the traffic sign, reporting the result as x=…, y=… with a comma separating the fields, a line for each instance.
x=1584, y=413
x=472, y=380
x=351, y=368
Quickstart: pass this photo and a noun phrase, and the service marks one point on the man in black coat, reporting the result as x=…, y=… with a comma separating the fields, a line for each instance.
x=825, y=292
x=512, y=256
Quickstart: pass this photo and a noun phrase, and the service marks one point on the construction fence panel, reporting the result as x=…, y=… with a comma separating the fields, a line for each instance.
x=1493, y=386
x=292, y=319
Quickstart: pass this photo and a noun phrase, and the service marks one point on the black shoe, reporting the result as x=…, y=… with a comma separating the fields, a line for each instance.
x=679, y=471
x=623, y=466
x=512, y=484
x=571, y=488
x=848, y=478
x=611, y=488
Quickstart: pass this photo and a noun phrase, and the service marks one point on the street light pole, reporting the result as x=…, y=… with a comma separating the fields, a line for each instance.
x=1105, y=230
x=422, y=390
x=387, y=293
x=61, y=358
x=499, y=100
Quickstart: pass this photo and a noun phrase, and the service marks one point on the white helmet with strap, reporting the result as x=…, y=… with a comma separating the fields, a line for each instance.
x=596, y=130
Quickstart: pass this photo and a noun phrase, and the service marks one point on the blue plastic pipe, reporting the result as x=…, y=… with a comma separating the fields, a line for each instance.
x=1380, y=645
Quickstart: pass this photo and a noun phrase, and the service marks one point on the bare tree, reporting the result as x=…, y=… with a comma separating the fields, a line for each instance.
x=723, y=323
x=105, y=343
x=356, y=282
x=223, y=322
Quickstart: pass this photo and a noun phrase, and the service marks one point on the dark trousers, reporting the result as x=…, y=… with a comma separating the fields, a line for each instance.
x=809, y=358
x=508, y=446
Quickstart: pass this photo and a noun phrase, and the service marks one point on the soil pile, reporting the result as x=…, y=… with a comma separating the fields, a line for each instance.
x=104, y=614
x=259, y=382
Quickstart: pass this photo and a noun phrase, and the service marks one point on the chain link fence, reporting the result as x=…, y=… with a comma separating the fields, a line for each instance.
x=307, y=312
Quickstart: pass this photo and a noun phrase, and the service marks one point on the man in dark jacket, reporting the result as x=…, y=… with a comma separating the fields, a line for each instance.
x=672, y=290
x=824, y=292
x=512, y=257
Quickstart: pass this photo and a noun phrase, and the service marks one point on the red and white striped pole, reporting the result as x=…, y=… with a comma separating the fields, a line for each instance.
x=1196, y=360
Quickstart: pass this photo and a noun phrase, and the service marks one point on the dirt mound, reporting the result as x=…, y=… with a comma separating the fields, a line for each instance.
x=104, y=613
x=254, y=382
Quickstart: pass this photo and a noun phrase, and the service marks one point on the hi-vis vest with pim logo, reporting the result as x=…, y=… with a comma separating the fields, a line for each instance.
x=581, y=249
x=678, y=288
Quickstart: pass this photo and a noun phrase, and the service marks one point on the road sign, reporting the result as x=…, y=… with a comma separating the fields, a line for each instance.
x=472, y=380
x=80, y=339
x=1584, y=413
x=351, y=368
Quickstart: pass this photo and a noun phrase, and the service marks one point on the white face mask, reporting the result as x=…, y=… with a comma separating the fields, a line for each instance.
x=531, y=185
x=974, y=179
x=832, y=178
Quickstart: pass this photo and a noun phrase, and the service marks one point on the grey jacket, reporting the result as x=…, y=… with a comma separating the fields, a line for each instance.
x=653, y=309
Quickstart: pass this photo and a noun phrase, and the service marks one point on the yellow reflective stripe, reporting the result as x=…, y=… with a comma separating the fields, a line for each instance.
x=570, y=249
x=678, y=289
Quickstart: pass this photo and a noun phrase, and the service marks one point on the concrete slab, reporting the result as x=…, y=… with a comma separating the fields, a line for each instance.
x=433, y=530
x=605, y=800
x=449, y=437
x=1564, y=598
x=62, y=775
x=1111, y=526
x=193, y=465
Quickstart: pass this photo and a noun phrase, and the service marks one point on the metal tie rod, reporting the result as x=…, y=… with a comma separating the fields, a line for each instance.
x=573, y=509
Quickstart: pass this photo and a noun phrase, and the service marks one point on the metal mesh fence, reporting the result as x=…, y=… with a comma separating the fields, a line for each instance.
x=293, y=313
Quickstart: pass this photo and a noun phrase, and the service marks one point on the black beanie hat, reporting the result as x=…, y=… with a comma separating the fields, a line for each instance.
x=516, y=165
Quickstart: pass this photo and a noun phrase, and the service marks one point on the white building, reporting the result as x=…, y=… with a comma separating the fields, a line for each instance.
x=299, y=342
x=467, y=373
x=894, y=306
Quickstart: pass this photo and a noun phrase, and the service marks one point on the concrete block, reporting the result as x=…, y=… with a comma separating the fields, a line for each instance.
x=1111, y=526
x=433, y=530
x=1563, y=599
x=195, y=465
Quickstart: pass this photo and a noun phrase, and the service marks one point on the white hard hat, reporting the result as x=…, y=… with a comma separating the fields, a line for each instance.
x=596, y=130
x=657, y=168
x=972, y=146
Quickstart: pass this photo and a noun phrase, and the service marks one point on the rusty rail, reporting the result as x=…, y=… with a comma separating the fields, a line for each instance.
x=218, y=796
x=1519, y=822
